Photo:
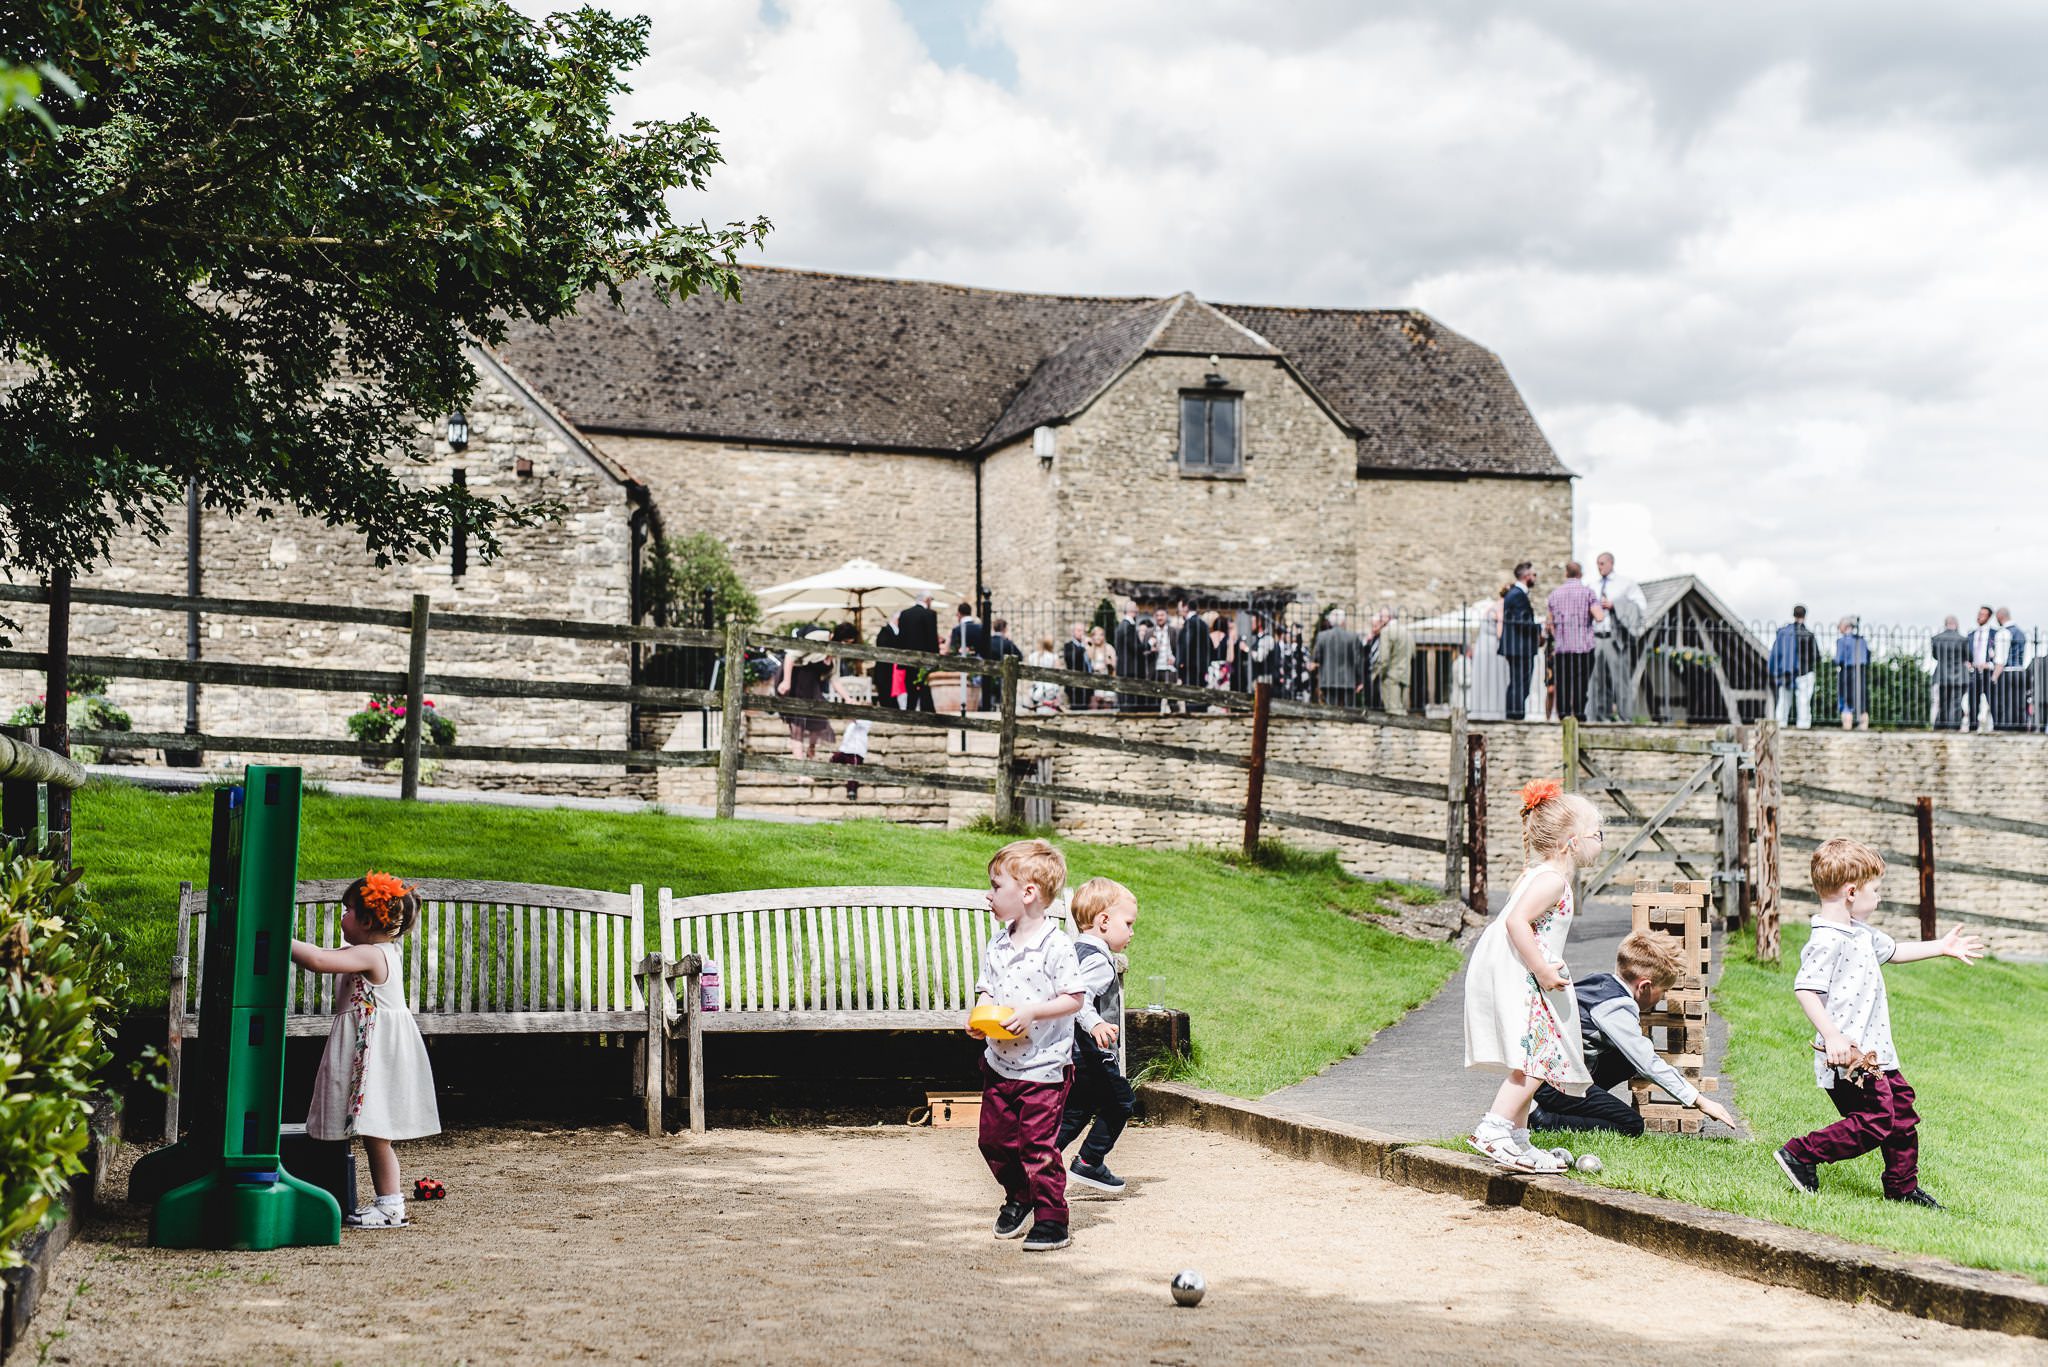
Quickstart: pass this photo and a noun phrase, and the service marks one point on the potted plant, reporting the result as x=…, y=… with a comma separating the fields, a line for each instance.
x=383, y=722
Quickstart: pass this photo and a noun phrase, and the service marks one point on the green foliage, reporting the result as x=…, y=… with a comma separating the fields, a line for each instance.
x=680, y=570
x=1105, y=617
x=255, y=248
x=87, y=706
x=1280, y=983
x=60, y=980
x=384, y=720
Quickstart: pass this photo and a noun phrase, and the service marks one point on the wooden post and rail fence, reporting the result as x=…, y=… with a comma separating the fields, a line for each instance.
x=1461, y=794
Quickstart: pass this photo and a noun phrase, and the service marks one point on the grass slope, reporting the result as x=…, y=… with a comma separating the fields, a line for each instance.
x=1970, y=1040
x=1273, y=964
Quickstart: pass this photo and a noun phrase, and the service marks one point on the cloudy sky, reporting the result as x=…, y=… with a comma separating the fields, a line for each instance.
x=1772, y=277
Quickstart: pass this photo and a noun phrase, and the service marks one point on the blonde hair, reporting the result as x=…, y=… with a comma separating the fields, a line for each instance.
x=1034, y=862
x=1643, y=955
x=1840, y=862
x=1096, y=898
x=1551, y=817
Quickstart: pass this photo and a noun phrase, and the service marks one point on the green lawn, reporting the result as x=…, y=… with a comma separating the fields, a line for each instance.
x=1971, y=1040
x=1273, y=964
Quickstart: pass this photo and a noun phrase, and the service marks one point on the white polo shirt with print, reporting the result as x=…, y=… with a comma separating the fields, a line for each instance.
x=1843, y=964
x=1018, y=972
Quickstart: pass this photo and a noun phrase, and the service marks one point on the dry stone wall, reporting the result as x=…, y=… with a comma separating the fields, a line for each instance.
x=580, y=568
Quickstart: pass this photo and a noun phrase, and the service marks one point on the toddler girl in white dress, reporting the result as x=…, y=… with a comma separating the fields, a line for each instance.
x=374, y=1079
x=1521, y=1017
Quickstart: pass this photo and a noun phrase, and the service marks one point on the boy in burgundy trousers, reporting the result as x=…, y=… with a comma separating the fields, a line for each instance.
x=1031, y=969
x=1840, y=985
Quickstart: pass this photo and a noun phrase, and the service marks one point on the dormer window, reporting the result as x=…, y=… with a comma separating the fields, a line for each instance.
x=1211, y=431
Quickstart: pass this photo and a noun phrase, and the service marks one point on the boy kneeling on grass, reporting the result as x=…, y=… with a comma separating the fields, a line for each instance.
x=1840, y=985
x=1030, y=969
x=1611, y=1009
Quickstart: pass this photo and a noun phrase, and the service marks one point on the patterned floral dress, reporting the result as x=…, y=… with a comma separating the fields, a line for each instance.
x=374, y=1078
x=1511, y=1024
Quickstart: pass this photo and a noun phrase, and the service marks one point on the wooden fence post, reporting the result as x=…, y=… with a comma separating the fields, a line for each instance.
x=1255, y=778
x=1006, y=748
x=415, y=700
x=733, y=719
x=1728, y=876
x=1745, y=892
x=1923, y=820
x=1454, y=802
x=1769, y=800
x=1569, y=729
x=1475, y=823
x=57, y=716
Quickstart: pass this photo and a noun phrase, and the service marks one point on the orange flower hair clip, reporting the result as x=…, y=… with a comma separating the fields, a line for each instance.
x=1538, y=791
x=383, y=897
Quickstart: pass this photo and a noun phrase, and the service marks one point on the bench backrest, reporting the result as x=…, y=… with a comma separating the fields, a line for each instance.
x=479, y=948
x=837, y=948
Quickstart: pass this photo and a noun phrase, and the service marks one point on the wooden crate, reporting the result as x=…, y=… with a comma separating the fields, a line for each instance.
x=955, y=1110
x=1682, y=912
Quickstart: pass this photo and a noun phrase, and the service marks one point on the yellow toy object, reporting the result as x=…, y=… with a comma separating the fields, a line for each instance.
x=988, y=1018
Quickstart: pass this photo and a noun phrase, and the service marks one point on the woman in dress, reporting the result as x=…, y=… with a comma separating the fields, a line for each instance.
x=1102, y=663
x=807, y=675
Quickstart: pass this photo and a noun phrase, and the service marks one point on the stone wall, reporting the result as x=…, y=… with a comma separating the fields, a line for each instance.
x=1021, y=543
x=1430, y=545
x=1127, y=512
x=580, y=568
x=785, y=513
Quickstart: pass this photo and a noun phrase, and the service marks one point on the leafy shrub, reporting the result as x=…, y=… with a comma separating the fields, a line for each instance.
x=87, y=708
x=61, y=979
x=384, y=720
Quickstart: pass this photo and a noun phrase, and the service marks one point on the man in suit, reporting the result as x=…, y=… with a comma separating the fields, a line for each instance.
x=1793, y=664
x=1986, y=663
x=1393, y=660
x=1132, y=660
x=999, y=645
x=1518, y=633
x=969, y=636
x=1337, y=661
x=1951, y=651
x=917, y=628
x=1074, y=659
x=2009, y=703
x=1193, y=648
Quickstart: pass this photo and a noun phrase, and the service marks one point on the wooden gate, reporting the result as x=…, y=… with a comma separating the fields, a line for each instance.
x=1703, y=769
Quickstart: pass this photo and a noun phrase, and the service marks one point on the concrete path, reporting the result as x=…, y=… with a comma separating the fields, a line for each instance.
x=185, y=780
x=1410, y=1079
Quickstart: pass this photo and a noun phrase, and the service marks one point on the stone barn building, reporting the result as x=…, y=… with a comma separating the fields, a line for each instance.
x=1056, y=449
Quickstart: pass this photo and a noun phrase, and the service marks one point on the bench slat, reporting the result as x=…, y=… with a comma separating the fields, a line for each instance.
x=766, y=899
x=763, y=1021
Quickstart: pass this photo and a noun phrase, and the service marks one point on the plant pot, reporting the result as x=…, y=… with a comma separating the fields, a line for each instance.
x=949, y=688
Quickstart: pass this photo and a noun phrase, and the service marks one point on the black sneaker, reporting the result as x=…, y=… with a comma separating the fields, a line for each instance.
x=1803, y=1176
x=1096, y=1175
x=1917, y=1197
x=1046, y=1236
x=1010, y=1219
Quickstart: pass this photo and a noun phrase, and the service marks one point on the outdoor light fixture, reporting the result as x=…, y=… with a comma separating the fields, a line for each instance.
x=1043, y=442
x=458, y=431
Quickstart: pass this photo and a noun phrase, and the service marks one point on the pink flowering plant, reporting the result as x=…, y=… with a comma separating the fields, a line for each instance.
x=384, y=721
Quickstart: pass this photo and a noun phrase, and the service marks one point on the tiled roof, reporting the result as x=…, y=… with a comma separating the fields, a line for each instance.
x=813, y=359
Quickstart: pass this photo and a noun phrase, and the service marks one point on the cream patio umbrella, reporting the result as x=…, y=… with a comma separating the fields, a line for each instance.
x=855, y=587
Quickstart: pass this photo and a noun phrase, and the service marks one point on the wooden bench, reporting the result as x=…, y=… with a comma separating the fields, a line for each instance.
x=484, y=958
x=832, y=958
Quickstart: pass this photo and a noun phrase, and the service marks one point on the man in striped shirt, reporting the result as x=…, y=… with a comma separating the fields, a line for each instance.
x=1574, y=608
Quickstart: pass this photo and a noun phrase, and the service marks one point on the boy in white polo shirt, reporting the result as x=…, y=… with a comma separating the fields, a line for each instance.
x=1840, y=985
x=1030, y=968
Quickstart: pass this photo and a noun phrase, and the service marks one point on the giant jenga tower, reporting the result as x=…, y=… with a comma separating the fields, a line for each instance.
x=1679, y=911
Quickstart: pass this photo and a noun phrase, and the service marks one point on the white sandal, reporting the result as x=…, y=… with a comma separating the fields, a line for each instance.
x=1502, y=1149
x=376, y=1217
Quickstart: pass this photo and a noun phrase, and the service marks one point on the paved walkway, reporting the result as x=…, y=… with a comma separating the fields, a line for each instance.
x=1409, y=1080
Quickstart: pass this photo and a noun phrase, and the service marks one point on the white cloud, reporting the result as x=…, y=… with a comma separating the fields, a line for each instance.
x=1771, y=281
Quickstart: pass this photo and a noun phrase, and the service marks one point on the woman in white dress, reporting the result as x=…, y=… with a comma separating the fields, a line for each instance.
x=374, y=1080
x=1521, y=1017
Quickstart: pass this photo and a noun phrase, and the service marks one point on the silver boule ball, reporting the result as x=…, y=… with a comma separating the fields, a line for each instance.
x=1562, y=1155
x=1589, y=1162
x=1188, y=1287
